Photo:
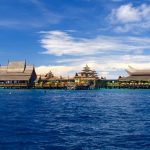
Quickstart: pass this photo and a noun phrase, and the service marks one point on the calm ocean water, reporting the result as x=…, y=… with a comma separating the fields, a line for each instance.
x=74, y=120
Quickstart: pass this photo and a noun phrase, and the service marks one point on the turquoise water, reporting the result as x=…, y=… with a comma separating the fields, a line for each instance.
x=74, y=120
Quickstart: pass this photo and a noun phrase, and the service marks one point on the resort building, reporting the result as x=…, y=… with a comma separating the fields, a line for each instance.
x=137, y=78
x=49, y=80
x=17, y=73
x=136, y=75
x=86, y=74
x=87, y=78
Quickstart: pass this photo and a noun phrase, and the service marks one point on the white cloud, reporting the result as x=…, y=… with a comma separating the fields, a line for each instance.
x=127, y=13
x=130, y=18
x=107, y=55
x=108, y=66
x=109, y=70
x=57, y=70
x=59, y=43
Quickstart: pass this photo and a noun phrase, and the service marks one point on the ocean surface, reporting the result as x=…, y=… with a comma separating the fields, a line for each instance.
x=75, y=120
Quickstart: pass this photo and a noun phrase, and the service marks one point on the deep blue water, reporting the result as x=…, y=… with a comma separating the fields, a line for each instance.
x=74, y=120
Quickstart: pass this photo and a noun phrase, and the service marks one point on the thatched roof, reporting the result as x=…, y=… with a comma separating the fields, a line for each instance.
x=137, y=72
x=16, y=71
x=135, y=78
x=14, y=78
x=16, y=66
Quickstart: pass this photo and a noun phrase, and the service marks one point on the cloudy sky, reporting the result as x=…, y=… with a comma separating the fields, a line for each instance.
x=64, y=35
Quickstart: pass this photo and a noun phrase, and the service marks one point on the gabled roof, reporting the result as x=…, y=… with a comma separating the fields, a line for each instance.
x=16, y=70
x=133, y=71
x=14, y=78
x=27, y=71
x=135, y=78
x=16, y=66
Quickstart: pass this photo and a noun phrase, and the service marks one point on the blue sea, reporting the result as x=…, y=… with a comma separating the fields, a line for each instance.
x=106, y=119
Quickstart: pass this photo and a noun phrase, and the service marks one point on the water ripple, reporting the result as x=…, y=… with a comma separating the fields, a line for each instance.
x=75, y=120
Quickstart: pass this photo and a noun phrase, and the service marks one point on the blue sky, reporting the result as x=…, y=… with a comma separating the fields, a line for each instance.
x=64, y=35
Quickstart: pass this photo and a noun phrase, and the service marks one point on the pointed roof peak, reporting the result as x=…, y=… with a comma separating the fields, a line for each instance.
x=86, y=66
x=49, y=74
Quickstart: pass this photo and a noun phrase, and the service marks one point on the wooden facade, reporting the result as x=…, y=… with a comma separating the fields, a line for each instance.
x=136, y=75
x=87, y=77
x=17, y=74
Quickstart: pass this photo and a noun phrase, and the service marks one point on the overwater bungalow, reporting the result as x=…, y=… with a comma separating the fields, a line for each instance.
x=137, y=78
x=49, y=80
x=87, y=76
x=136, y=75
x=17, y=74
